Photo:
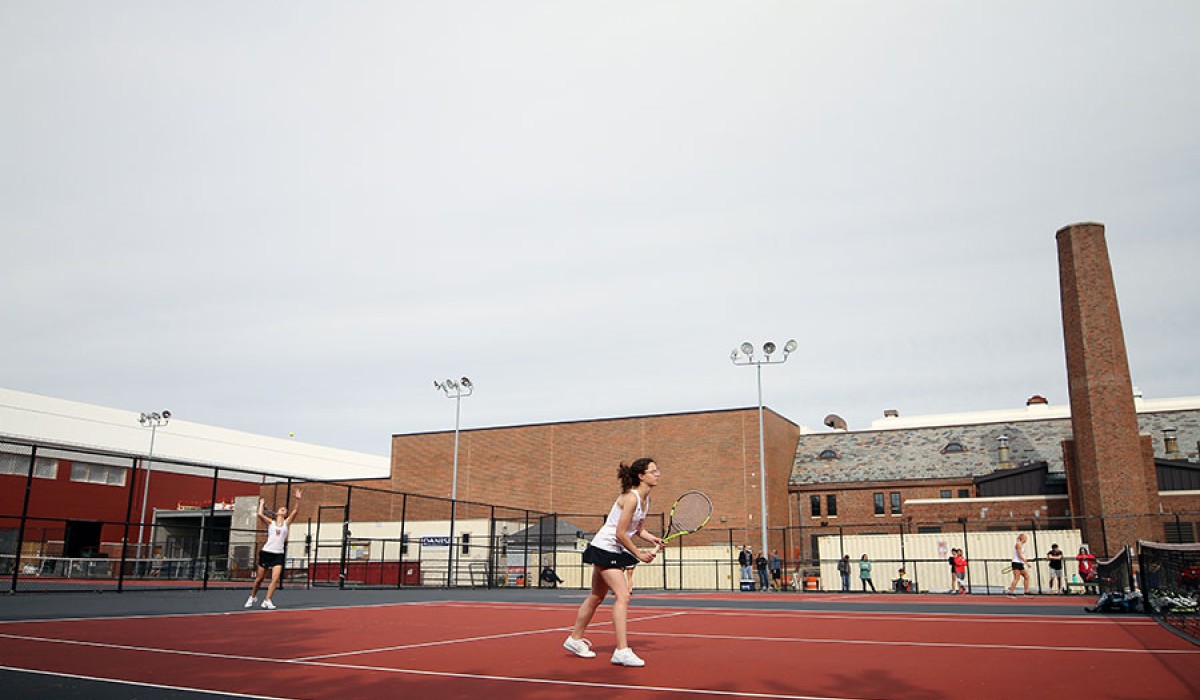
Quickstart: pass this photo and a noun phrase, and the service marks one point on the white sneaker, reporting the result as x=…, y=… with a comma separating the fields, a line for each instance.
x=626, y=657
x=268, y=605
x=579, y=647
x=250, y=602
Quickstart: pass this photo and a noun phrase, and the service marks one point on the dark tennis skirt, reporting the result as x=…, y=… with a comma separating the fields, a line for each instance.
x=270, y=559
x=609, y=560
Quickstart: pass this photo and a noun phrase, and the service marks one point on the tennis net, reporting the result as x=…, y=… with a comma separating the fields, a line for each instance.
x=1171, y=578
x=1115, y=575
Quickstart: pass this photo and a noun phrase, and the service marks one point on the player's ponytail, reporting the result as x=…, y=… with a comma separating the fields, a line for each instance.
x=631, y=474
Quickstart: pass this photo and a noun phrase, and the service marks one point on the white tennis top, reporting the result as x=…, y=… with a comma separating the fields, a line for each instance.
x=606, y=538
x=276, y=538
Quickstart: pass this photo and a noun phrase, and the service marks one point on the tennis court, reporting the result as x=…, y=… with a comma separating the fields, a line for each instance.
x=452, y=644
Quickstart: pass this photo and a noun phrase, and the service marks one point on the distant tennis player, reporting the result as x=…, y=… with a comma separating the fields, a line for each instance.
x=273, y=554
x=611, y=552
x=1018, y=566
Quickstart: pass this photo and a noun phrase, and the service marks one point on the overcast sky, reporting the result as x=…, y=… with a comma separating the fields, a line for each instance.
x=294, y=216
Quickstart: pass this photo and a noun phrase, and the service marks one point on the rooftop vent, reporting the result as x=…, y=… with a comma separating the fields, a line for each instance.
x=1036, y=399
x=835, y=421
x=891, y=413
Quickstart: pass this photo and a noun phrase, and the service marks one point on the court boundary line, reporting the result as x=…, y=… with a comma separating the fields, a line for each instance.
x=841, y=615
x=464, y=640
x=545, y=681
x=238, y=611
x=438, y=674
x=140, y=684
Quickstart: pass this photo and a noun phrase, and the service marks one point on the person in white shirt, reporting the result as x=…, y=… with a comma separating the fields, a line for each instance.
x=273, y=555
x=1018, y=566
x=611, y=552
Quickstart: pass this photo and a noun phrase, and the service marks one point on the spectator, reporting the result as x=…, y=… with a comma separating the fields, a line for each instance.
x=776, y=565
x=953, y=575
x=550, y=577
x=843, y=568
x=864, y=573
x=1087, y=564
x=746, y=561
x=960, y=571
x=902, y=584
x=760, y=563
x=1055, y=559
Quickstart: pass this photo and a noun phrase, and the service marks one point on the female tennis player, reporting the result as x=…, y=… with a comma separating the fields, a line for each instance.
x=611, y=552
x=273, y=554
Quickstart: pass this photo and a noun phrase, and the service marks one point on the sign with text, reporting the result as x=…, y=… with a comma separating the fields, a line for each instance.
x=435, y=541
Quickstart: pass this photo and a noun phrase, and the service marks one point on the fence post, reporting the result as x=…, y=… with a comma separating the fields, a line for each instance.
x=492, y=548
x=967, y=553
x=403, y=542
x=24, y=516
x=125, y=533
x=345, y=539
x=1036, y=554
x=207, y=528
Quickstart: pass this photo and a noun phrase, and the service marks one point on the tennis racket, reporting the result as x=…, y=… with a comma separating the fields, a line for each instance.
x=690, y=513
x=1006, y=570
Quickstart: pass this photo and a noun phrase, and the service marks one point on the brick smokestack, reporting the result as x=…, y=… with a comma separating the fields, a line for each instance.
x=1111, y=473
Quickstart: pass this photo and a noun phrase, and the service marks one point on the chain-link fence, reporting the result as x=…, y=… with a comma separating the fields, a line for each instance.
x=74, y=519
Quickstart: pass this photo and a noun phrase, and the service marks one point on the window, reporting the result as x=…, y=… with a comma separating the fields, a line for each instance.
x=952, y=447
x=827, y=454
x=964, y=493
x=895, y=496
x=18, y=465
x=831, y=505
x=814, y=506
x=97, y=474
x=466, y=543
x=945, y=493
x=879, y=504
x=1178, y=533
x=928, y=529
x=404, y=544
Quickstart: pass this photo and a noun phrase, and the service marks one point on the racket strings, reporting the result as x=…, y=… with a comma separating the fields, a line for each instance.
x=691, y=512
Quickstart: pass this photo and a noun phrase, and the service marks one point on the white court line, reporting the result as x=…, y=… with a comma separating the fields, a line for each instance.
x=582, y=684
x=403, y=671
x=141, y=684
x=463, y=640
x=850, y=615
x=238, y=611
x=953, y=645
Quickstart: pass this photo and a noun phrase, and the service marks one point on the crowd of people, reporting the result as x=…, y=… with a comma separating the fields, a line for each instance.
x=767, y=573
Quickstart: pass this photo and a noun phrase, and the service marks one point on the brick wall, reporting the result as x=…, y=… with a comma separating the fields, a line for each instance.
x=571, y=467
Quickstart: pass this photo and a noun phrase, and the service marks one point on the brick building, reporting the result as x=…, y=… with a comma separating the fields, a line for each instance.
x=994, y=469
x=570, y=468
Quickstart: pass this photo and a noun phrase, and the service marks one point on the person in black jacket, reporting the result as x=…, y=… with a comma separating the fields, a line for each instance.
x=844, y=570
x=746, y=561
x=761, y=564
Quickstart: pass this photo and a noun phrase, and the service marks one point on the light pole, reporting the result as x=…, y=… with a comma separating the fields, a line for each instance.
x=744, y=356
x=152, y=421
x=455, y=390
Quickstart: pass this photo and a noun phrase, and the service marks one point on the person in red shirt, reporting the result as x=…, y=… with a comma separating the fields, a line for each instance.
x=960, y=571
x=1087, y=564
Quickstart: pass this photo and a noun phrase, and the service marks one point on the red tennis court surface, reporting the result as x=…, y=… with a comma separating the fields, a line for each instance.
x=447, y=649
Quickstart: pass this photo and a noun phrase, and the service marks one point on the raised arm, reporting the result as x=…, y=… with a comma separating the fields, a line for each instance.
x=295, y=509
x=262, y=504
